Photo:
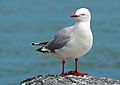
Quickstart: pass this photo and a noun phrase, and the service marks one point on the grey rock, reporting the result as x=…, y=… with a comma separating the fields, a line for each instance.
x=69, y=80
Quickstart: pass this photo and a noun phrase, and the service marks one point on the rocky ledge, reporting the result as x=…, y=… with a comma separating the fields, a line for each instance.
x=69, y=80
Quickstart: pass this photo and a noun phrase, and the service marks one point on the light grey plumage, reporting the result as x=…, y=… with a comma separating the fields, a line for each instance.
x=59, y=40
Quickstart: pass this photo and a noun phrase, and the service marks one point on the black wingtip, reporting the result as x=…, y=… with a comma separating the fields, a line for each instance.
x=40, y=50
x=32, y=43
x=39, y=44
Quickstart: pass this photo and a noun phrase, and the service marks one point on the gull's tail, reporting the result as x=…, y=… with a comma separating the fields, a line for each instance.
x=42, y=49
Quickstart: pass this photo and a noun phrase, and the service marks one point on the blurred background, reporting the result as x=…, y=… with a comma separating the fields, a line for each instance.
x=26, y=21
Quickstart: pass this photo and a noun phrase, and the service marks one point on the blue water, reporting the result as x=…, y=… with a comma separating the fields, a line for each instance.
x=26, y=21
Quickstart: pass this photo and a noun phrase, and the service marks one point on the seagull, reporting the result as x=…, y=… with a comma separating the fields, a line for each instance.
x=71, y=42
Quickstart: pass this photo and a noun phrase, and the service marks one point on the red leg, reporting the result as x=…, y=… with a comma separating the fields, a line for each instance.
x=76, y=64
x=63, y=73
x=76, y=73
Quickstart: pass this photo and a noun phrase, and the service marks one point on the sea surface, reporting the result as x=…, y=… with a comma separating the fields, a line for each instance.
x=25, y=21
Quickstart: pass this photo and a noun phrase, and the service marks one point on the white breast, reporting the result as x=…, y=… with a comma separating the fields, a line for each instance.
x=80, y=44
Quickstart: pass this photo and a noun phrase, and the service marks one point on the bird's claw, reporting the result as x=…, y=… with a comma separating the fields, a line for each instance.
x=75, y=73
x=65, y=74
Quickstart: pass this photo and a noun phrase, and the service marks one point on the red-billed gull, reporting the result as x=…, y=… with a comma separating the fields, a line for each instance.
x=71, y=42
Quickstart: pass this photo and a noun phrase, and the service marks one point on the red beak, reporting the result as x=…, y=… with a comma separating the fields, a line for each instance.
x=74, y=15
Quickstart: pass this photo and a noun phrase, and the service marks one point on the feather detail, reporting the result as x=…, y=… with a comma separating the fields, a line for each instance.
x=43, y=50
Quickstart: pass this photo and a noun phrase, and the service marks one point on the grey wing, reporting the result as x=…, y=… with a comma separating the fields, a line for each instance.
x=59, y=41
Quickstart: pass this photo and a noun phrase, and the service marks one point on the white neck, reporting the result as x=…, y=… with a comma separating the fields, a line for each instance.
x=80, y=24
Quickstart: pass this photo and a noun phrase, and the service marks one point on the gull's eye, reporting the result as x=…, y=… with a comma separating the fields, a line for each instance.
x=82, y=14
